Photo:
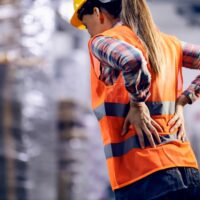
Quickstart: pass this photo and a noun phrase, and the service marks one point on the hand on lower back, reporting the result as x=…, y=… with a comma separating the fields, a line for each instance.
x=139, y=116
x=177, y=121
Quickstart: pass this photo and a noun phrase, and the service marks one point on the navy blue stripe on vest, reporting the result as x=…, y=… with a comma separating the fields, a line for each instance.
x=121, y=110
x=111, y=109
x=122, y=148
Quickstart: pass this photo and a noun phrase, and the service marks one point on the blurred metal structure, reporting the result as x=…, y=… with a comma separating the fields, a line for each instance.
x=81, y=170
x=13, y=155
x=190, y=10
x=9, y=23
x=27, y=123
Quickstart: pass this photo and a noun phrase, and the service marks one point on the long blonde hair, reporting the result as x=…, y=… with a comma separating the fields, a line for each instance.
x=136, y=15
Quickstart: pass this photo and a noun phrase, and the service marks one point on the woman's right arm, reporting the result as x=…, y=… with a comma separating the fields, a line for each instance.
x=191, y=59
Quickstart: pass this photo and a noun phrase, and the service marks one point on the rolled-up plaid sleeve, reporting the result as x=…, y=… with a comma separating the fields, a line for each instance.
x=191, y=59
x=193, y=91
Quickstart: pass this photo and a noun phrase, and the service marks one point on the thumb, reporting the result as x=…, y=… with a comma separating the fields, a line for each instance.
x=125, y=127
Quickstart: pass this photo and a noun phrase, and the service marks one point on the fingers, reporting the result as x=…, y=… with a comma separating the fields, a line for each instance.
x=156, y=125
x=173, y=120
x=125, y=127
x=150, y=129
x=149, y=135
x=177, y=124
x=181, y=134
x=140, y=137
x=154, y=132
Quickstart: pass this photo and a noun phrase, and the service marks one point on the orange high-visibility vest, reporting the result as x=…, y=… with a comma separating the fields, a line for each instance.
x=126, y=161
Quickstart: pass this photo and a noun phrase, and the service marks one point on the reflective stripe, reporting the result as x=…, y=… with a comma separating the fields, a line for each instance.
x=122, y=148
x=161, y=108
x=111, y=109
x=121, y=110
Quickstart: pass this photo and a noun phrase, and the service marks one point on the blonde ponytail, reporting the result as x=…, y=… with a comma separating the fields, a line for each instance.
x=136, y=15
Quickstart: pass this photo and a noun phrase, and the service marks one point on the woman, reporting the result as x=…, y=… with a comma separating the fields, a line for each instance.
x=136, y=87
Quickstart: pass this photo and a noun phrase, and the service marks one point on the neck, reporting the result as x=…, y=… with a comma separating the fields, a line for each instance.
x=111, y=23
x=116, y=22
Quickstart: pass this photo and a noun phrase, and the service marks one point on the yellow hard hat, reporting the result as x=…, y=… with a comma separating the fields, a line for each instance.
x=74, y=20
x=77, y=5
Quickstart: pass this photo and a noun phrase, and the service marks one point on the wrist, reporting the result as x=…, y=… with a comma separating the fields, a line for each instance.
x=136, y=104
x=183, y=101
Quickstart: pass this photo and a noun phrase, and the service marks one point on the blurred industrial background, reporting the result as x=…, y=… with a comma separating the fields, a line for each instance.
x=50, y=145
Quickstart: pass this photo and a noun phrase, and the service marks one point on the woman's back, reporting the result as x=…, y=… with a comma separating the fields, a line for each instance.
x=127, y=162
